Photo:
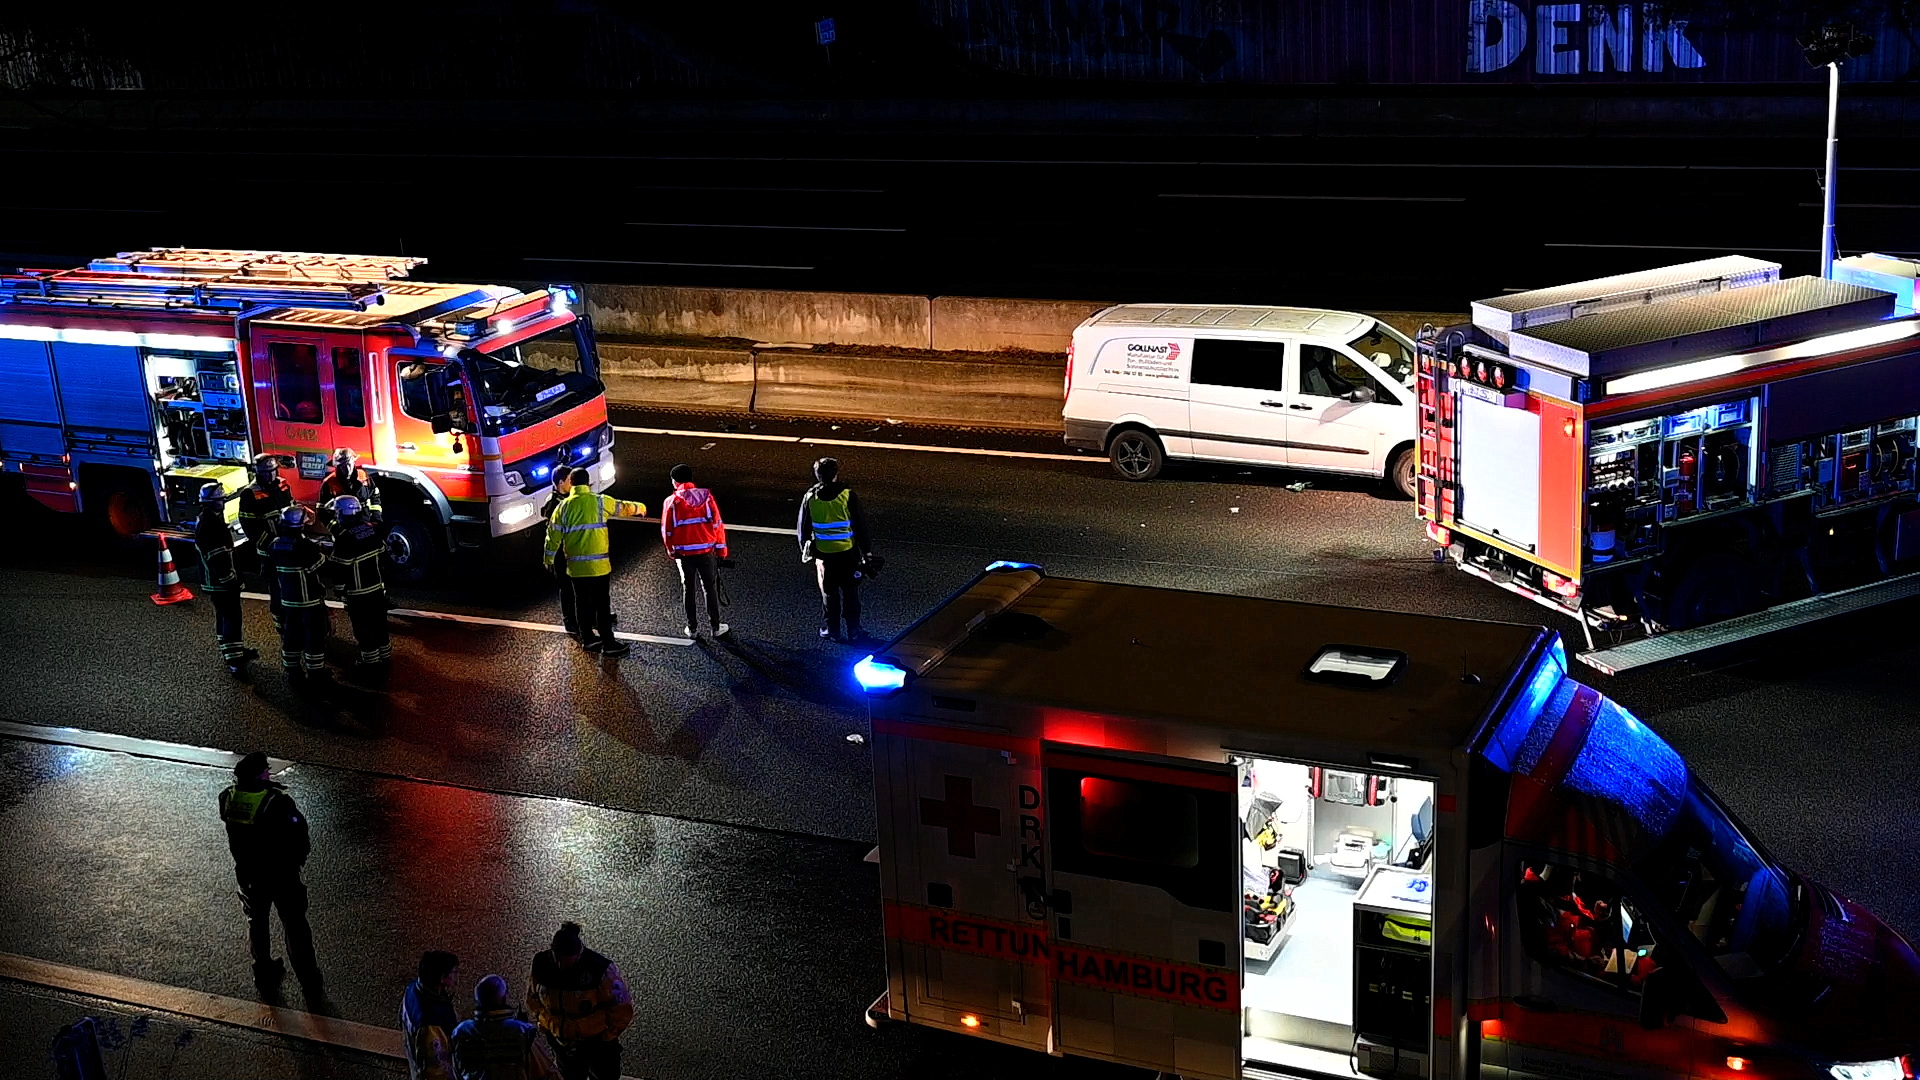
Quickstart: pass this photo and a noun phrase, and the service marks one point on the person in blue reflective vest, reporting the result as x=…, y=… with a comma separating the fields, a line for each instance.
x=833, y=537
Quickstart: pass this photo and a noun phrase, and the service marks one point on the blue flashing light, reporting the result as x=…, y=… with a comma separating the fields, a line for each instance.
x=878, y=677
x=540, y=472
x=1008, y=564
x=583, y=450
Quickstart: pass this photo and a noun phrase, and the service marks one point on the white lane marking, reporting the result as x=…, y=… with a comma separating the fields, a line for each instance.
x=1030, y=454
x=127, y=744
x=516, y=624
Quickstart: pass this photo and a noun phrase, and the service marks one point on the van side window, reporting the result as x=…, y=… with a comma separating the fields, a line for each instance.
x=296, y=381
x=1250, y=365
x=1148, y=833
x=1580, y=921
x=1328, y=372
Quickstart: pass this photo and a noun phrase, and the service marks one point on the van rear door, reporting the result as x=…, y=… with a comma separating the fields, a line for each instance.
x=1144, y=899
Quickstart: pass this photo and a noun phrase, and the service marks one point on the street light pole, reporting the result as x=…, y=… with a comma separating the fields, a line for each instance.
x=1827, y=249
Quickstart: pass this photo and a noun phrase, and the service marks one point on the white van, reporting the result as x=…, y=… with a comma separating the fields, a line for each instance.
x=1297, y=387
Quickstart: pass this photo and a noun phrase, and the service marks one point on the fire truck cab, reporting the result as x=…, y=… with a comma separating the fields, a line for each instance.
x=1221, y=836
x=1679, y=458
x=127, y=384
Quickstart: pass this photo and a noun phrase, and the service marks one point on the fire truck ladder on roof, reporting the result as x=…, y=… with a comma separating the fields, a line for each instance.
x=281, y=265
x=87, y=288
x=1671, y=646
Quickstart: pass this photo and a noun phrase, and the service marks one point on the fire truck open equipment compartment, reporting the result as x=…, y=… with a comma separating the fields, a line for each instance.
x=1680, y=457
x=1224, y=837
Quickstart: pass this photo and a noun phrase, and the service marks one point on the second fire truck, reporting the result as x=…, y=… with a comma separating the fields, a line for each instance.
x=127, y=384
x=1680, y=457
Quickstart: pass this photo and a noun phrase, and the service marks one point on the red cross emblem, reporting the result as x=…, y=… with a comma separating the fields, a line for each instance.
x=960, y=817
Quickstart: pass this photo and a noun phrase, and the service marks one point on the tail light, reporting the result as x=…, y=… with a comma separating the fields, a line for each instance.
x=1559, y=586
x=1439, y=534
x=1067, y=390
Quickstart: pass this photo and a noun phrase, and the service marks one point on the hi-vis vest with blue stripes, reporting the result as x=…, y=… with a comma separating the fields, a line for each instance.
x=832, y=522
x=579, y=530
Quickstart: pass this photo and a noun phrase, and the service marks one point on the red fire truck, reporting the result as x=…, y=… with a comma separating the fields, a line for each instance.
x=1226, y=837
x=1678, y=458
x=127, y=384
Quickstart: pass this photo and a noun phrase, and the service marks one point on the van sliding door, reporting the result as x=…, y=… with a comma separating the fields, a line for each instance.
x=1144, y=898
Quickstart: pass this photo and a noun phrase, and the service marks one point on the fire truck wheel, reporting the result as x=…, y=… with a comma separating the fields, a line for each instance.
x=1401, y=472
x=122, y=510
x=1136, y=455
x=411, y=552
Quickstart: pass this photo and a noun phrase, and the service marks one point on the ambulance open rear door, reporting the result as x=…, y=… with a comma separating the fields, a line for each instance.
x=1144, y=911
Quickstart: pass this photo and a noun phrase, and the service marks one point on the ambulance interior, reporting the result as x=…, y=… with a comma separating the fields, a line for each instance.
x=1336, y=882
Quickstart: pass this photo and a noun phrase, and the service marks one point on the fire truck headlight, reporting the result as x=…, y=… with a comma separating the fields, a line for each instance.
x=879, y=677
x=514, y=515
x=1890, y=1069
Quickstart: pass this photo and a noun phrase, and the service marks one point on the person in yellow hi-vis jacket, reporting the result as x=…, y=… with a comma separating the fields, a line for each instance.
x=577, y=532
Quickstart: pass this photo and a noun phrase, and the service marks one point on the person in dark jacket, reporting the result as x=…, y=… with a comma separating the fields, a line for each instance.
x=495, y=1046
x=346, y=477
x=427, y=1019
x=562, y=483
x=579, y=999
x=833, y=537
x=355, y=563
x=298, y=563
x=261, y=504
x=220, y=577
x=267, y=835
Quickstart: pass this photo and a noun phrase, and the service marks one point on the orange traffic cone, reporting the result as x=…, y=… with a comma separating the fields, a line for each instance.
x=171, y=591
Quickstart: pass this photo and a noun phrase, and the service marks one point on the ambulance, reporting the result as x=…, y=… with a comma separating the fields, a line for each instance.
x=1222, y=836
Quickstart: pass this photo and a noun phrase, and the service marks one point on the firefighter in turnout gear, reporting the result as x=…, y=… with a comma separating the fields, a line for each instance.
x=297, y=563
x=355, y=562
x=346, y=478
x=579, y=999
x=220, y=577
x=577, y=533
x=496, y=1046
x=260, y=504
x=267, y=835
x=833, y=537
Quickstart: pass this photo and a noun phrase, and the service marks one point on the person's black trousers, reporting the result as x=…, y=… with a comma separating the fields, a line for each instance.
x=698, y=572
x=226, y=624
x=303, y=638
x=259, y=895
x=368, y=614
x=593, y=608
x=839, y=590
x=568, y=618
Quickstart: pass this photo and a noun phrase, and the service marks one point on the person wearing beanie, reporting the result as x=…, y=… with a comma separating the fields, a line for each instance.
x=577, y=540
x=427, y=1018
x=696, y=538
x=579, y=999
x=833, y=537
x=267, y=835
x=495, y=1046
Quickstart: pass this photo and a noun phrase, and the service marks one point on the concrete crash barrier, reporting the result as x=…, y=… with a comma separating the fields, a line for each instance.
x=981, y=324
x=679, y=377
x=991, y=393
x=883, y=319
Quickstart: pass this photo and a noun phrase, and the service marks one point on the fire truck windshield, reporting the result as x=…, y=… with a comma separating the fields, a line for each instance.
x=1389, y=352
x=515, y=393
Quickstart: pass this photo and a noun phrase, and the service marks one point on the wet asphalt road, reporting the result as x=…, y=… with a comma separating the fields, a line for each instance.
x=717, y=812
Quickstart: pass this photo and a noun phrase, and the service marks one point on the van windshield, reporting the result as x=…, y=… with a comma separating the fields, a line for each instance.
x=1389, y=352
x=1731, y=897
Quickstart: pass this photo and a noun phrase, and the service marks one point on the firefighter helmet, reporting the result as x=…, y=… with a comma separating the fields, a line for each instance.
x=213, y=493
x=345, y=456
x=267, y=463
x=293, y=517
x=346, y=506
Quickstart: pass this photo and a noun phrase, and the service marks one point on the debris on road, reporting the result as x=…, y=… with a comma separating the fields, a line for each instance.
x=856, y=738
x=709, y=446
x=1300, y=485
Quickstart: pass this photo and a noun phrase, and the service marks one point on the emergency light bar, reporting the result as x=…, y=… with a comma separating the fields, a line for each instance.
x=878, y=676
x=1694, y=371
x=80, y=336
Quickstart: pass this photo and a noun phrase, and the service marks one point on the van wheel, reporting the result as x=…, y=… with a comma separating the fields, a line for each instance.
x=1403, y=472
x=411, y=551
x=1136, y=455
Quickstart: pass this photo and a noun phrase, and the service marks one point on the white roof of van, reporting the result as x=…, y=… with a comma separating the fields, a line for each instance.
x=1336, y=325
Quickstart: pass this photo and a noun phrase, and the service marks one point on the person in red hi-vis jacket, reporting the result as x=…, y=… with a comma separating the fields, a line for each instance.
x=694, y=535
